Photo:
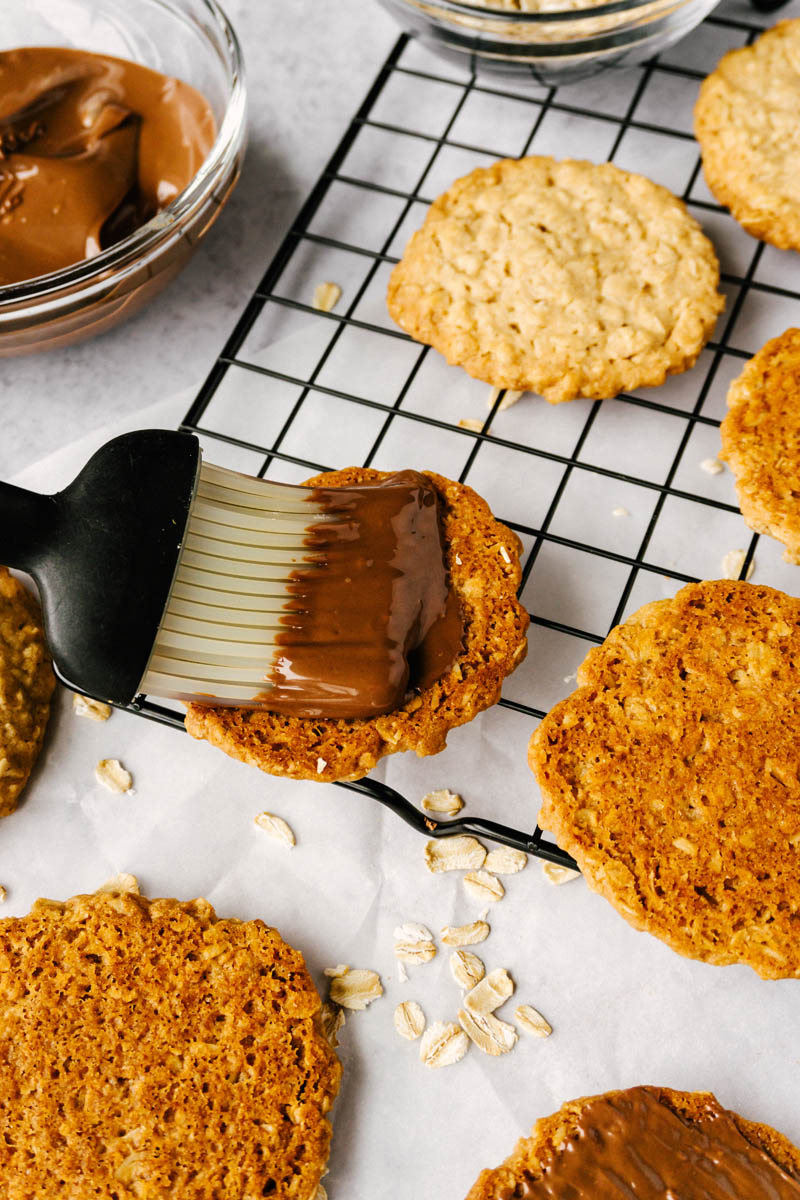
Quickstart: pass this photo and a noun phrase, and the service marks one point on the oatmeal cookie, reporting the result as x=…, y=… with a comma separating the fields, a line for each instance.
x=761, y=441
x=746, y=123
x=563, y=278
x=26, y=685
x=671, y=773
x=652, y=1140
x=149, y=1049
x=483, y=562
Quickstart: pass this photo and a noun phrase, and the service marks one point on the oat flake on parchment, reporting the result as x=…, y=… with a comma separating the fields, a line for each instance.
x=505, y=860
x=326, y=296
x=443, y=1044
x=492, y=991
x=124, y=882
x=712, y=466
x=355, y=989
x=335, y=972
x=467, y=969
x=409, y=1020
x=732, y=565
x=113, y=776
x=3, y=894
x=443, y=801
x=276, y=827
x=532, y=1021
x=413, y=943
x=483, y=887
x=332, y=1019
x=509, y=399
x=85, y=706
x=459, y=853
x=556, y=874
x=489, y=1034
x=465, y=935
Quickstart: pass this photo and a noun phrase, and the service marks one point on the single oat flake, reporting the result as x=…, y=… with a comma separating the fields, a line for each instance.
x=409, y=1020
x=467, y=969
x=504, y=860
x=326, y=296
x=510, y=398
x=121, y=883
x=111, y=773
x=275, y=827
x=459, y=853
x=332, y=1019
x=335, y=972
x=732, y=565
x=465, y=935
x=413, y=943
x=3, y=894
x=443, y=1044
x=320, y=1193
x=443, y=801
x=488, y=1033
x=532, y=1021
x=557, y=874
x=492, y=991
x=85, y=706
x=484, y=887
x=712, y=466
x=355, y=989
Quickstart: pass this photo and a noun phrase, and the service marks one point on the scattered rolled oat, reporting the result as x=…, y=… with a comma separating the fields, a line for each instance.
x=459, y=853
x=332, y=1019
x=733, y=562
x=712, y=466
x=276, y=827
x=467, y=969
x=326, y=296
x=443, y=801
x=532, y=1021
x=504, y=860
x=620, y=511
x=121, y=883
x=443, y=1044
x=409, y=1020
x=3, y=894
x=465, y=935
x=471, y=423
x=335, y=972
x=356, y=989
x=320, y=1193
x=111, y=773
x=85, y=706
x=488, y=1033
x=413, y=943
x=557, y=874
x=492, y=991
x=484, y=887
x=402, y=973
x=511, y=397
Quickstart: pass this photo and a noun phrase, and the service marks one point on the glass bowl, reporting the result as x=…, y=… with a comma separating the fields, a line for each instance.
x=549, y=47
x=190, y=39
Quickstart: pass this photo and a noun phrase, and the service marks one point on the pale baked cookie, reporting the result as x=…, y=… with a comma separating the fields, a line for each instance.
x=563, y=278
x=671, y=774
x=150, y=1050
x=746, y=123
x=761, y=441
x=483, y=562
x=26, y=685
x=651, y=1142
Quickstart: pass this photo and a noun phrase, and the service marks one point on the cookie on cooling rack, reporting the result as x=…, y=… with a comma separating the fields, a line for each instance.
x=671, y=773
x=26, y=685
x=483, y=564
x=563, y=278
x=152, y=1050
x=761, y=441
x=746, y=123
x=650, y=1142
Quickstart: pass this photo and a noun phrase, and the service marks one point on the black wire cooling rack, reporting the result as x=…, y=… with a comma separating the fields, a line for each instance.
x=614, y=486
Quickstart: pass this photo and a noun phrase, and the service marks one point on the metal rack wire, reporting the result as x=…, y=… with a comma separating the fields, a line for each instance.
x=372, y=194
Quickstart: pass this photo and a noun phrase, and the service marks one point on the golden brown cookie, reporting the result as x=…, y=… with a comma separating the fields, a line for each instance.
x=26, y=685
x=563, y=278
x=671, y=774
x=483, y=562
x=656, y=1140
x=761, y=441
x=746, y=123
x=149, y=1049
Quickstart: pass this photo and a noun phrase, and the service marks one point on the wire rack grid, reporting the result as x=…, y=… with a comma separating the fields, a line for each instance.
x=608, y=498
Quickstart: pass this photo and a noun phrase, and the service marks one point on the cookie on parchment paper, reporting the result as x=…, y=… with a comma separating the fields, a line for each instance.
x=563, y=278
x=671, y=774
x=761, y=441
x=745, y=120
x=26, y=685
x=651, y=1141
x=149, y=1049
x=483, y=563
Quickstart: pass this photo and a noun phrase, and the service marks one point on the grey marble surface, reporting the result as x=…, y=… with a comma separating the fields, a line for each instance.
x=309, y=63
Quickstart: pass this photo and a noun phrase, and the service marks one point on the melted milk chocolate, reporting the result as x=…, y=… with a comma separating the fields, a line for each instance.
x=90, y=149
x=375, y=616
x=632, y=1147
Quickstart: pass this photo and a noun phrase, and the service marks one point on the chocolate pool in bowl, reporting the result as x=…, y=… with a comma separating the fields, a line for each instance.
x=132, y=214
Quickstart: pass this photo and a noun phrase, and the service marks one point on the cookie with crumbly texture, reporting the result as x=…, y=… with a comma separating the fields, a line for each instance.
x=745, y=120
x=26, y=685
x=482, y=559
x=563, y=278
x=761, y=441
x=691, y=1121
x=149, y=1049
x=671, y=773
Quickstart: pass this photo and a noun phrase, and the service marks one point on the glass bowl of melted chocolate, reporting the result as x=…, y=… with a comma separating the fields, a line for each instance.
x=122, y=129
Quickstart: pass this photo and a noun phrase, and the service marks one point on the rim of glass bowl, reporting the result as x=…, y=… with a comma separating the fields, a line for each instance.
x=113, y=264
x=474, y=9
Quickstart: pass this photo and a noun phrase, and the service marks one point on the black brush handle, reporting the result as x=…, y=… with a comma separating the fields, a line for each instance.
x=27, y=523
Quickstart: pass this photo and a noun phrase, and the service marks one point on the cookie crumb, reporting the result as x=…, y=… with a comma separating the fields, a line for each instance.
x=712, y=466
x=113, y=776
x=326, y=296
x=471, y=423
x=85, y=706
